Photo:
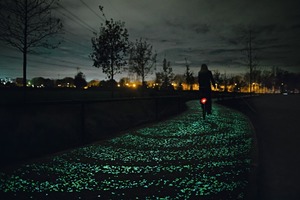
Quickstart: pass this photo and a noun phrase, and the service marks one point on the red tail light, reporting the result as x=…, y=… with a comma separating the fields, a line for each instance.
x=203, y=100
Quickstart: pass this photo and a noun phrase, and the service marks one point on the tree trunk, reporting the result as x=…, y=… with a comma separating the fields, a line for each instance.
x=143, y=78
x=24, y=69
x=25, y=49
x=112, y=78
x=24, y=75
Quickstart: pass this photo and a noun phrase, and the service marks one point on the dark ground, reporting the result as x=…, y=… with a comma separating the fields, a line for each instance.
x=276, y=121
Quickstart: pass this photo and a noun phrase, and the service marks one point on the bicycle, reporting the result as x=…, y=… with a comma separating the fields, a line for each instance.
x=203, y=101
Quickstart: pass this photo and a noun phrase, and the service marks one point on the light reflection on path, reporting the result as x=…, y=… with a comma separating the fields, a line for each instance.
x=179, y=158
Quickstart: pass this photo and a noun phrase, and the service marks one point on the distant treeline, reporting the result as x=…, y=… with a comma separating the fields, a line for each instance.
x=266, y=81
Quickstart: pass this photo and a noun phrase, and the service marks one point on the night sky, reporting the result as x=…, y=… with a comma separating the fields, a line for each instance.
x=203, y=31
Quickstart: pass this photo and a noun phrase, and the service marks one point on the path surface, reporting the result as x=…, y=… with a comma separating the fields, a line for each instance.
x=277, y=122
x=180, y=158
x=279, y=146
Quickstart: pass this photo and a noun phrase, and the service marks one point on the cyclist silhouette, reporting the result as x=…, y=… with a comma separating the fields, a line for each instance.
x=205, y=79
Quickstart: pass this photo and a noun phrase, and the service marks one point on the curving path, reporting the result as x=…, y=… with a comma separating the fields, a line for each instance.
x=179, y=158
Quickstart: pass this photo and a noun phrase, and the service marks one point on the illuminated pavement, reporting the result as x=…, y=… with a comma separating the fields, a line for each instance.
x=180, y=158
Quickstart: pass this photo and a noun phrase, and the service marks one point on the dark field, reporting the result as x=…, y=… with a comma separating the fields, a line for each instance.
x=55, y=120
x=64, y=94
x=277, y=124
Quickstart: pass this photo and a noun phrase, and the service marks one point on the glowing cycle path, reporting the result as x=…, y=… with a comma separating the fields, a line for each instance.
x=180, y=158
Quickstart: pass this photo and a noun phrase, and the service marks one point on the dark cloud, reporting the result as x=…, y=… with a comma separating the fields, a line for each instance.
x=200, y=28
x=209, y=31
x=295, y=27
x=222, y=51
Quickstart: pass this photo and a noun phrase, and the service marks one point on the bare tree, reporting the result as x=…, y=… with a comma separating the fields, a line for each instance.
x=80, y=81
x=189, y=78
x=247, y=36
x=110, y=47
x=167, y=75
x=28, y=24
x=142, y=60
x=250, y=54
